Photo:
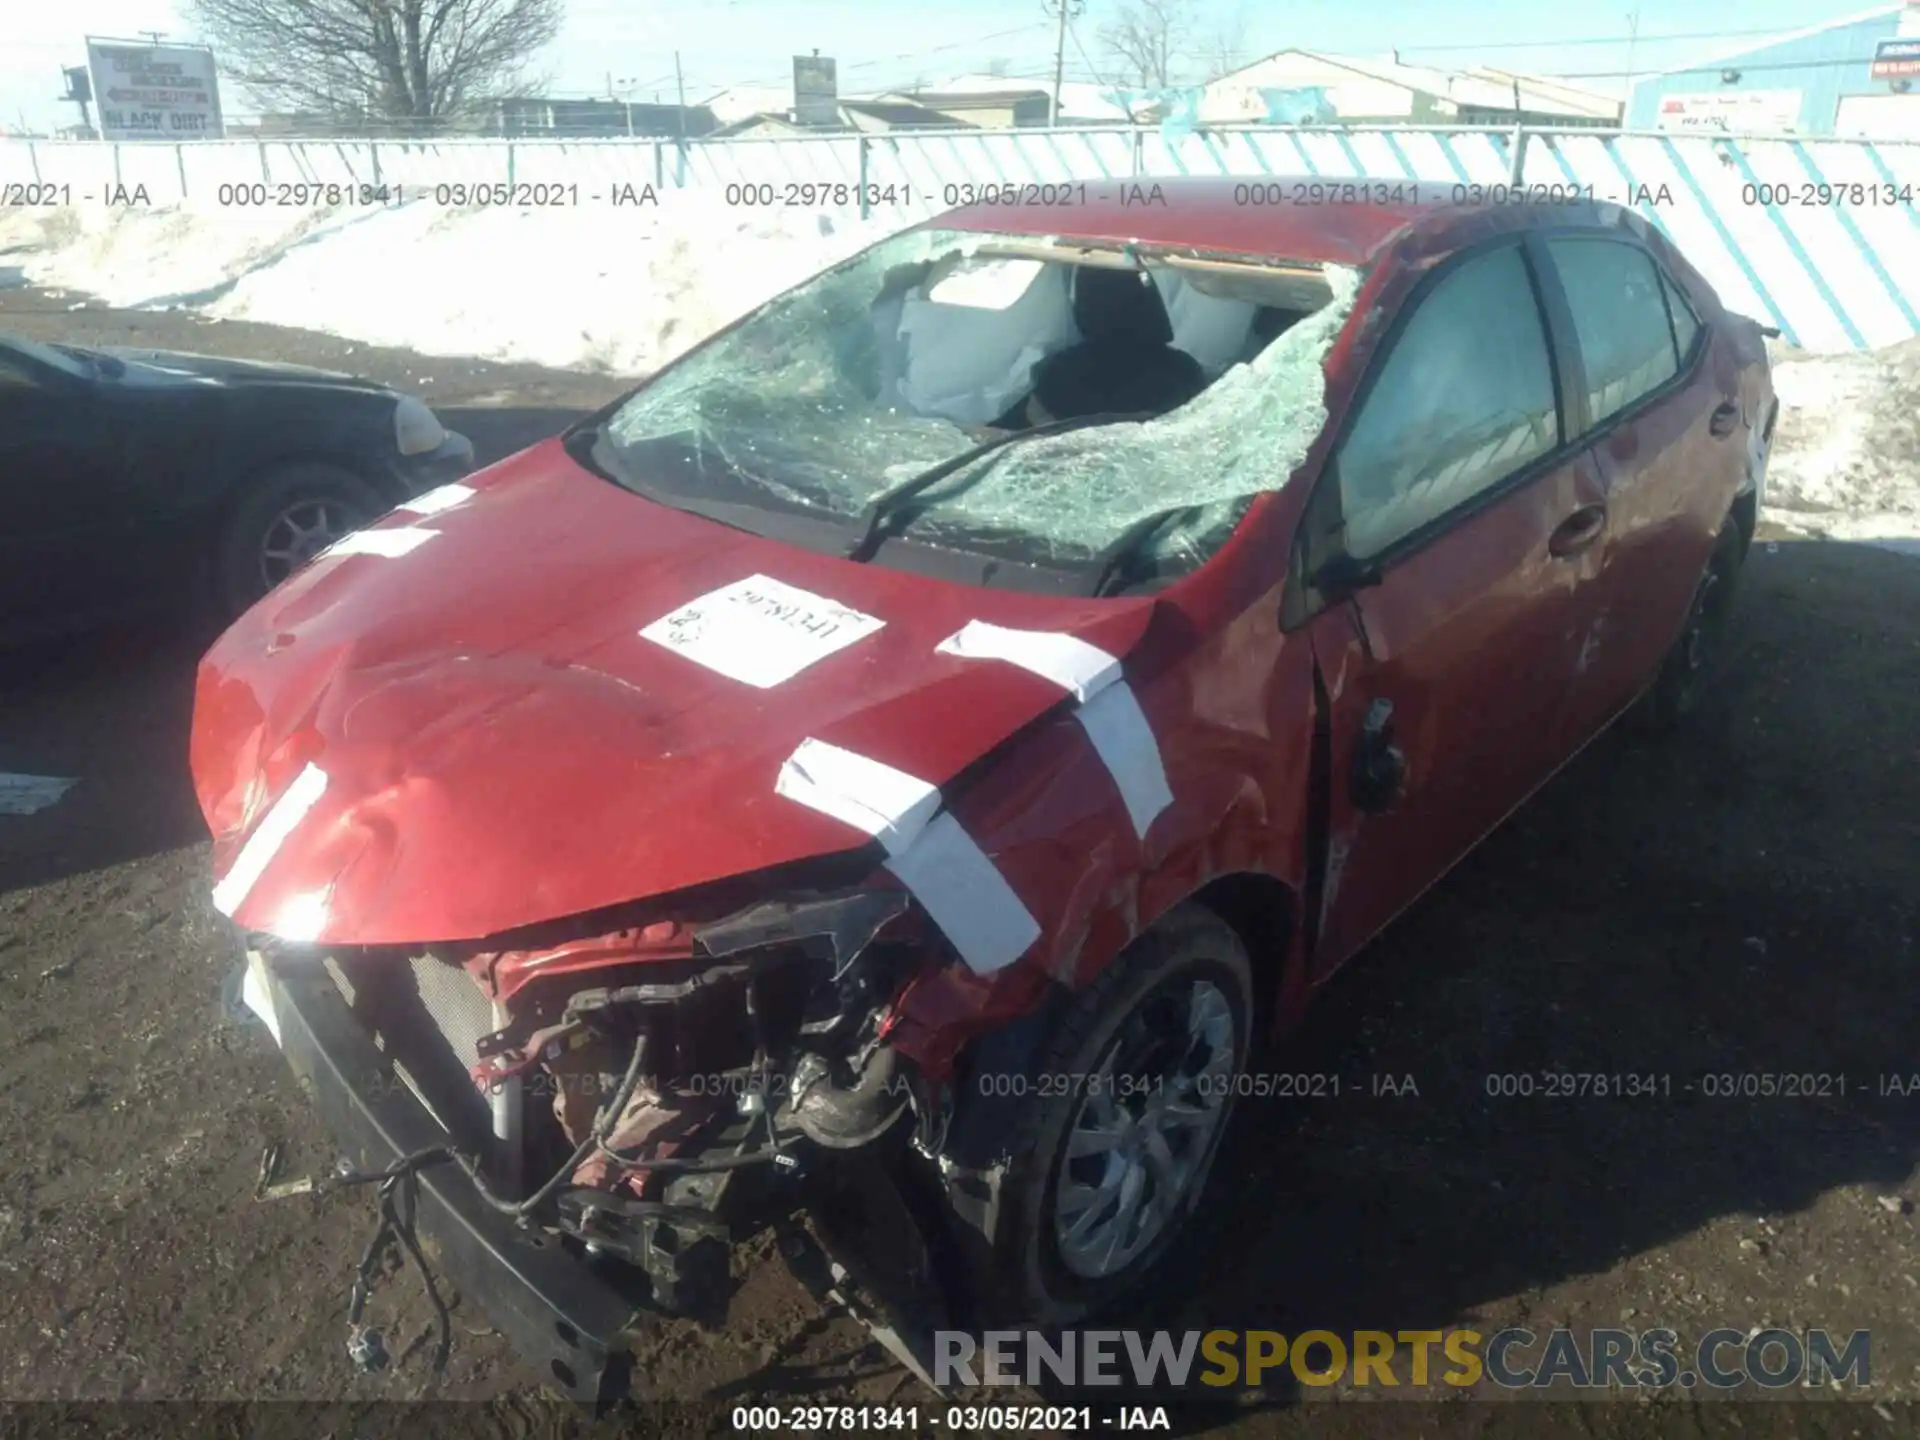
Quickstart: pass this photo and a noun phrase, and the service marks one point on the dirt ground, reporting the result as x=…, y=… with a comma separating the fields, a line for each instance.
x=1739, y=900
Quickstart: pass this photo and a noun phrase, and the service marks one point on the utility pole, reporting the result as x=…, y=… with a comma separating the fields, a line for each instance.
x=1633, y=37
x=1067, y=10
x=680, y=88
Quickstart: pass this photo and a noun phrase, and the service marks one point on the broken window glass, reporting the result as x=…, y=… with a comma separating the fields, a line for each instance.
x=892, y=362
x=1074, y=494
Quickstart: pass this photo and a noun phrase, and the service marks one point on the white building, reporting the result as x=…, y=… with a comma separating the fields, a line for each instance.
x=1308, y=86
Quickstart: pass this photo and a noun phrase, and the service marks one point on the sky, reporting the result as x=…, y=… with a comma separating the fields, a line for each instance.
x=884, y=43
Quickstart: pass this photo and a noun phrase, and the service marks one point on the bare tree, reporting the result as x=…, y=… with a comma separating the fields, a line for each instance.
x=1147, y=40
x=1227, y=45
x=412, y=63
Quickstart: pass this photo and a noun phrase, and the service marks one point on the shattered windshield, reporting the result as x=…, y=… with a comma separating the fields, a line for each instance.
x=922, y=347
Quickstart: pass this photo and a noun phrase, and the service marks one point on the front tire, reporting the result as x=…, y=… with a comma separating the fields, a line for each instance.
x=1120, y=1121
x=285, y=518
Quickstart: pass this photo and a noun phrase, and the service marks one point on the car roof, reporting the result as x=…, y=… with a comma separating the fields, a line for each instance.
x=1315, y=218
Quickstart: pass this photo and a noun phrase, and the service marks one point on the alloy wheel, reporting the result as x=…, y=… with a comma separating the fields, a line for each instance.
x=1145, y=1129
x=300, y=532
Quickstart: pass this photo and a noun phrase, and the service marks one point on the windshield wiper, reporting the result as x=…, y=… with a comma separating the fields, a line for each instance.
x=887, y=504
x=1115, y=562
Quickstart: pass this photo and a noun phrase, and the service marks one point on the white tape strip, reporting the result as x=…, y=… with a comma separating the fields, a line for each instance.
x=931, y=853
x=1083, y=670
x=888, y=804
x=444, y=497
x=391, y=543
x=1119, y=730
x=1109, y=711
x=967, y=897
x=267, y=838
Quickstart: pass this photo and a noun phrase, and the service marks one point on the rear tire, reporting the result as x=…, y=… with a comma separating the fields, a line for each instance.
x=1686, y=675
x=284, y=518
x=1110, y=1133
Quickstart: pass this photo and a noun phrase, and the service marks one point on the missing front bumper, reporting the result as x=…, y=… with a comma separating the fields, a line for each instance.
x=562, y=1312
x=568, y=1295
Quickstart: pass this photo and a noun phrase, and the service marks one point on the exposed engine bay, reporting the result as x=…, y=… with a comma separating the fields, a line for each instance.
x=641, y=1105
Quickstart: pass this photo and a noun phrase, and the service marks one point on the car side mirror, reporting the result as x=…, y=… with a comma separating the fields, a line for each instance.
x=1342, y=575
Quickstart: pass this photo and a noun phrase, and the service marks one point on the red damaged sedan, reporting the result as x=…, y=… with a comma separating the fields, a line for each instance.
x=899, y=759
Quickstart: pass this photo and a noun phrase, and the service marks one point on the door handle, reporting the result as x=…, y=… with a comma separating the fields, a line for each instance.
x=1578, y=531
x=1724, y=419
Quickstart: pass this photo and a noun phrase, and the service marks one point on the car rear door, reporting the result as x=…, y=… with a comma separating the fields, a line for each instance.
x=1449, y=539
x=1666, y=427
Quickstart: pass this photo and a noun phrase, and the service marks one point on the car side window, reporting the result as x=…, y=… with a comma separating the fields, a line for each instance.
x=1686, y=324
x=1619, y=320
x=1464, y=399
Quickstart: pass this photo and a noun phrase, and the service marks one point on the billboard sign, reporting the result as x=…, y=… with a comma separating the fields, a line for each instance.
x=1897, y=59
x=816, y=90
x=154, y=92
x=1732, y=112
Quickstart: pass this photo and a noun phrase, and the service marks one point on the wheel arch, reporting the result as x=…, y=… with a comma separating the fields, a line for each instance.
x=257, y=467
x=1261, y=909
x=1264, y=911
x=1745, y=514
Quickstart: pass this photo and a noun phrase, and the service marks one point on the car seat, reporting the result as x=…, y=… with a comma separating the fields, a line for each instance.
x=1125, y=362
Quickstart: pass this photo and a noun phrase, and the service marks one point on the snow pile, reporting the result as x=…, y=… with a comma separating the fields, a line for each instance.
x=138, y=258
x=618, y=289
x=1846, y=453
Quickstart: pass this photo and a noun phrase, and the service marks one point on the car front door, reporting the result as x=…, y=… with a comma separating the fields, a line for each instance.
x=60, y=470
x=1449, y=542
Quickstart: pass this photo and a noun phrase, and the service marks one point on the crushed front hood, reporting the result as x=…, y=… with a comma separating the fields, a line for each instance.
x=501, y=746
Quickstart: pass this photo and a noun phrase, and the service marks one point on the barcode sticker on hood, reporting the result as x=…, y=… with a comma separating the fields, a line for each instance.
x=760, y=631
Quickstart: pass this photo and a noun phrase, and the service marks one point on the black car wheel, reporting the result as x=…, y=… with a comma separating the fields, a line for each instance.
x=285, y=519
x=1686, y=674
x=1115, y=1127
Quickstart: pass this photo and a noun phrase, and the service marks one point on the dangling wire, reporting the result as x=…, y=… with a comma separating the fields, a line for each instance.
x=399, y=1207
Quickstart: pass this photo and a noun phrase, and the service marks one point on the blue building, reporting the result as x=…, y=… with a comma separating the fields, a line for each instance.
x=1817, y=81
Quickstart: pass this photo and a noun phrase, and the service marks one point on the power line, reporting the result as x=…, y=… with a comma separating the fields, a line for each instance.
x=1705, y=67
x=904, y=55
x=1715, y=67
x=1593, y=40
x=1098, y=78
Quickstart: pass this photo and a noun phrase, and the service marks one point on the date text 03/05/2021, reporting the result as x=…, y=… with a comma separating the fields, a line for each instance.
x=962, y=1419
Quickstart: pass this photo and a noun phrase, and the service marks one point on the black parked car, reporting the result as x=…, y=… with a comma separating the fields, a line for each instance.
x=135, y=477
